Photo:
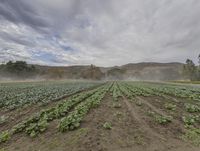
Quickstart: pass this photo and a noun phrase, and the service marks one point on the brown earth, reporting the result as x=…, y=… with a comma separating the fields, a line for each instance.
x=132, y=130
x=18, y=115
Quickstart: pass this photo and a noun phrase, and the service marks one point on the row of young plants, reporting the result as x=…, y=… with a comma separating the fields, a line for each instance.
x=39, y=122
x=133, y=90
x=188, y=120
x=136, y=91
x=191, y=121
x=15, y=96
x=192, y=129
x=142, y=90
x=175, y=90
x=161, y=89
x=127, y=92
x=115, y=91
x=73, y=120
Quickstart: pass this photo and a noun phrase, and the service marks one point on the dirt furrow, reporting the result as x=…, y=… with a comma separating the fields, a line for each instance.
x=143, y=124
x=19, y=115
x=176, y=123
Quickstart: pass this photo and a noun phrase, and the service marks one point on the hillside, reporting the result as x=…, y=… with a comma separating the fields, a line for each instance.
x=149, y=71
x=132, y=71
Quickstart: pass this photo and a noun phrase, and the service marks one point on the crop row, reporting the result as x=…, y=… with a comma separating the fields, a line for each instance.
x=115, y=91
x=152, y=89
x=74, y=119
x=39, y=122
x=174, y=90
x=15, y=96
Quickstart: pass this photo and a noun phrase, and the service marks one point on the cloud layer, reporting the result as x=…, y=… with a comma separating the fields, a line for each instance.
x=101, y=32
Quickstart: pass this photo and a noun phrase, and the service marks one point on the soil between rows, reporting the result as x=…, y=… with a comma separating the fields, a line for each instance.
x=128, y=133
x=20, y=114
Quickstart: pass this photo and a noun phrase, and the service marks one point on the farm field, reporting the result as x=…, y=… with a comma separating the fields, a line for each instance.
x=95, y=116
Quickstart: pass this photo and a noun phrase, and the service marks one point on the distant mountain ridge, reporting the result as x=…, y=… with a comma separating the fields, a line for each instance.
x=131, y=71
x=152, y=71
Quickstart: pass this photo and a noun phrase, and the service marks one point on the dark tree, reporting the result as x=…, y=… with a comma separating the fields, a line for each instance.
x=18, y=69
x=189, y=69
x=198, y=69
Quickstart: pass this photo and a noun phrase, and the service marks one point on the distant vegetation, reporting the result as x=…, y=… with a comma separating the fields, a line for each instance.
x=22, y=70
x=18, y=69
x=141, y=71
x=191, y=71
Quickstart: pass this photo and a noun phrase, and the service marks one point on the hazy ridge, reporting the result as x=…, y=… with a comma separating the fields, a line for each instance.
x=131, y=71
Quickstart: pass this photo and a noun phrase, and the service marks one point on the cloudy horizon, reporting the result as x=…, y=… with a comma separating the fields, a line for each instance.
x=100, y=32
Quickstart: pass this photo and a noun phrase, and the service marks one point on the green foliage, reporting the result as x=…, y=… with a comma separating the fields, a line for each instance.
x=191, y=119
x=192, y=135
x=4, y=136
x=191, y=71
x=3, y=119
x=192, y=108
x=39, y=122
x=116, y=93
x=16, y=95
x=107, y=125
x=19, y=68
x=35, y=128
x=73, y=120
x=134, y=89
x=82, y=103
x=163, y=119
x=170, y=106
x=19, y=127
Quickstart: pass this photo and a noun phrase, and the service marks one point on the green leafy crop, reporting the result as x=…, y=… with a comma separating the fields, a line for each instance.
x=107, y=125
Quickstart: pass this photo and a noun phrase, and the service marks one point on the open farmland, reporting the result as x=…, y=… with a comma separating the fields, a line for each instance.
x=94, y=116
x=15, y=95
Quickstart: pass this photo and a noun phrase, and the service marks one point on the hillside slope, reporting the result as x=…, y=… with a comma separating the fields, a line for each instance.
x=147, y=71
x=137, y=71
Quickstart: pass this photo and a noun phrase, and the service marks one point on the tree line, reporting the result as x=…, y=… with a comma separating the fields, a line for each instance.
x=191, y=71
x=18, y=69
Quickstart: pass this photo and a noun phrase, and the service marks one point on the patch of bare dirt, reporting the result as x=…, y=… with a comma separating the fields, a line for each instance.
x=92, y=136
x=131, y=130
x=170, y=132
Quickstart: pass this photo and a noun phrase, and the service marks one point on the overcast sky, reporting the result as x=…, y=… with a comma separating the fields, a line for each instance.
x=100, y=32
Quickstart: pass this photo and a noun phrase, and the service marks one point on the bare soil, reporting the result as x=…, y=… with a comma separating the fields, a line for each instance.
x=18, y=115
x=132, y=130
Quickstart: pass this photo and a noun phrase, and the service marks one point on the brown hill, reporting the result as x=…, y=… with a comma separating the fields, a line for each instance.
x=153, y=71
x=132, y=71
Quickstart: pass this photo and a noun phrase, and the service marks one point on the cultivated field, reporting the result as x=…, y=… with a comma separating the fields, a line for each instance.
x=94, y=116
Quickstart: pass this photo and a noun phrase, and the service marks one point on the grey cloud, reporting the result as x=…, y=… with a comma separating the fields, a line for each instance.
x=20, y=12
x=16, y=39
x=102, y=32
